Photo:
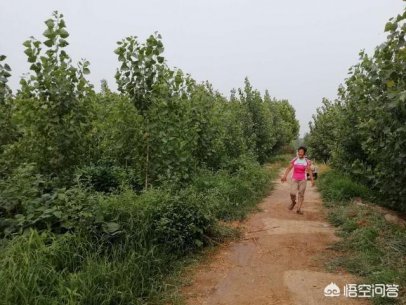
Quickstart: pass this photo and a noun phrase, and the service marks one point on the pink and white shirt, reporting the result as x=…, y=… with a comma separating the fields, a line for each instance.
x=300, y=167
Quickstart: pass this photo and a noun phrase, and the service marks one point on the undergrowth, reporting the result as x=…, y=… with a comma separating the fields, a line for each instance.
x=370, y=247
x=123, y=248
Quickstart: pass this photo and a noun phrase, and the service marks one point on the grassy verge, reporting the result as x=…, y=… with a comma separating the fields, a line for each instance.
x=370, y=247
x=126, y=248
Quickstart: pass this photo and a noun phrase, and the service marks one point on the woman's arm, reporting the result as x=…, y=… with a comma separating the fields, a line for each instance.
x=283, y=179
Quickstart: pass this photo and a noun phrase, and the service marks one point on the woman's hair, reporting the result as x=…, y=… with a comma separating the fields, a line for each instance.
x=303, y=148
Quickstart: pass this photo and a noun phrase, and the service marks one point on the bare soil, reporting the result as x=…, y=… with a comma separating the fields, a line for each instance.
x=279, y=260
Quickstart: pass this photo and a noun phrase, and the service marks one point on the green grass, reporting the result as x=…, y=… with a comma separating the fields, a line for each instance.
x=370, y=247
x=337, y=187
x=159, y=232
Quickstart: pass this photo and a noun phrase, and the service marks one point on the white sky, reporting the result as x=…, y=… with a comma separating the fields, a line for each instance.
x=299, y=50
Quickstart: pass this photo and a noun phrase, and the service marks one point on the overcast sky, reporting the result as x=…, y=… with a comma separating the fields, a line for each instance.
x=299, y=50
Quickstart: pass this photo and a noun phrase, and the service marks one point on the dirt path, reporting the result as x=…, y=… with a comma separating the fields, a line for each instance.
x=280, y=259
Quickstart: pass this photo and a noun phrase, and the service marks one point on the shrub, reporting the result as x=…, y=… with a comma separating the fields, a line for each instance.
x=336, y=186
x=101, y=178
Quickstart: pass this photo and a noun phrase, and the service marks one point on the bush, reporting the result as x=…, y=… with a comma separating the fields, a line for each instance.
x=107, y=178
x=118, y=247
x=336, y=186
x=232, y=195
x=175, y=222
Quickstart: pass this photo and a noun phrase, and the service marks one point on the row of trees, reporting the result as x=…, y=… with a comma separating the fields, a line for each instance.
x=160, y=127
x=363, y=132
x=94, y=184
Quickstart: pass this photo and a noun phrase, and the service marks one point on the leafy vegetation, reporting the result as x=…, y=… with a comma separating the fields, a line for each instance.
x=339, y=187
x=101, y=193
x=370, y=246
x=363, y=132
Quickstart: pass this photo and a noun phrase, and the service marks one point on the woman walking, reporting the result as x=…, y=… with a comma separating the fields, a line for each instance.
x=301, y=165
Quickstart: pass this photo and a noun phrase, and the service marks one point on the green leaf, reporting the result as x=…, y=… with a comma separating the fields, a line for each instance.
x=63, y=33
x=27, y=43
x=49, y=33
x=49, y=43
x=390, y=26
x=62, y=24
x=63, y=43
x=111, y=227
x=57, y=214
x=198, y=243
x=50, y=23
x=390, y=83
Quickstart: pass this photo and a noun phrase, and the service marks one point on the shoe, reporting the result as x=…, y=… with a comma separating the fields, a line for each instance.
x=292, y=205
x=299, y=212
